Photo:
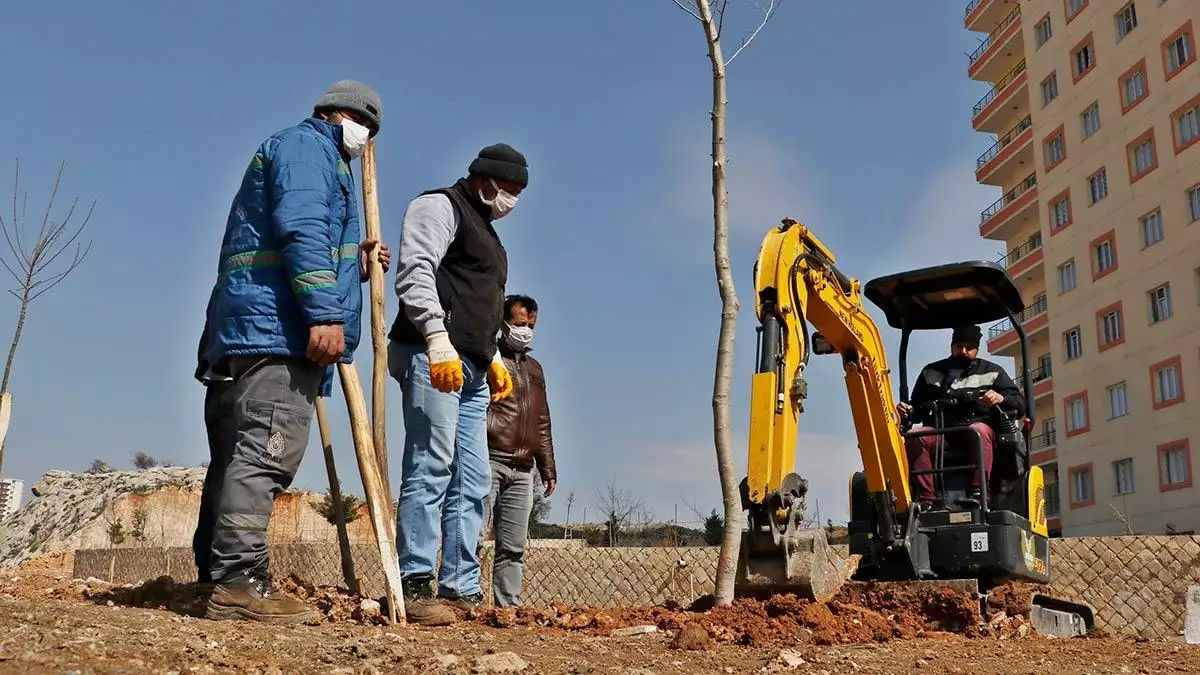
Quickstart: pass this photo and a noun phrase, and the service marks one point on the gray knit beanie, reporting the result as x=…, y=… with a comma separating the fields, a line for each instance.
x=357, y=98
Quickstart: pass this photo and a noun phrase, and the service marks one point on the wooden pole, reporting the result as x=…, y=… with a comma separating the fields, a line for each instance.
x=335, y=492
x=378, y=503
x=378, y=323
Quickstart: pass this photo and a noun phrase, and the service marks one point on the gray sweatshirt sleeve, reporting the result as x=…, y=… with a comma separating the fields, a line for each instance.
x=429, y=226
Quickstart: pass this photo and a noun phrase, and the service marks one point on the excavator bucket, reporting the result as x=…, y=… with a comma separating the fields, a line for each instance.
x=798, y=561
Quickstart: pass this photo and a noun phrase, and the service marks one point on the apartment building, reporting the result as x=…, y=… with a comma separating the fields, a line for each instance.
x=11, y=490
x=1095, y=113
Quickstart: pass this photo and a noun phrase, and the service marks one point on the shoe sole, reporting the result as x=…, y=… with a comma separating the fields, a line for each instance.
x=223, y=613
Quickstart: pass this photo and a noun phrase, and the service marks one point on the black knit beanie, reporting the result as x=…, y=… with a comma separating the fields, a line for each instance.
x=502, y=162
x=967, y=334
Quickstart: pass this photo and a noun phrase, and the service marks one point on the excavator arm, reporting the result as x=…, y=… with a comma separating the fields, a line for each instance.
x=798, y=286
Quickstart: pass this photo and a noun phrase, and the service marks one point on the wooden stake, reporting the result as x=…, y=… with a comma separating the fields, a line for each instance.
x=378, y=323
x=378, y=503
x=335, y=492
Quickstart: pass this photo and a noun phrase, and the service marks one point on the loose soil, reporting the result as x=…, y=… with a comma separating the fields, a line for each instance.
x=52, y=623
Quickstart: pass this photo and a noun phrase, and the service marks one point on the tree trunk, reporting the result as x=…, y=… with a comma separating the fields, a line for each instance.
x=378, y=325
x=12, y=354
x=335, y=493
x=723, y=377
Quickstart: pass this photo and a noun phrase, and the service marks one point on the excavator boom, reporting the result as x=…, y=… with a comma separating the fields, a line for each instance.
x=798, y=286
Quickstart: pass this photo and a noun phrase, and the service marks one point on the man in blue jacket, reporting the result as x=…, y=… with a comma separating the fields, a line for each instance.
x=286, y=307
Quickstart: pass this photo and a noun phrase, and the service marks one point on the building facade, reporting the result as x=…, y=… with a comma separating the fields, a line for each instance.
x=1095, y=113
x=11, y=490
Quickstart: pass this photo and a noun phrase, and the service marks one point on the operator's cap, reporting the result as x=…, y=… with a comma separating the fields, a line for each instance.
x=970, y=334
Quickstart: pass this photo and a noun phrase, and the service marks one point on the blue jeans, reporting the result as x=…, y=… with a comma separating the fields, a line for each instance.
x=445, y=472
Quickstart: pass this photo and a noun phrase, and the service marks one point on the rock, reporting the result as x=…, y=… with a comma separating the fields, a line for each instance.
x=633, y=630
x=500, y=662
x=790, y=658
x=367, y=611
x=691, y=636
x=921, y=663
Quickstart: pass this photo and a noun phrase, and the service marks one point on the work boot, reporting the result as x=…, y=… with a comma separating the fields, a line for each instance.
x=468, y=602
x=421, y=605
x=249, y=595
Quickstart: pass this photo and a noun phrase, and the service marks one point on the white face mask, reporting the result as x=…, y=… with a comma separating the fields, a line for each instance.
x=518, y=337
x=501, y=204
x=354, y=137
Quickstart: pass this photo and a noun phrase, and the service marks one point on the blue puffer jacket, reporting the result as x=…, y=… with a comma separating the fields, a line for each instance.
x=290, y=254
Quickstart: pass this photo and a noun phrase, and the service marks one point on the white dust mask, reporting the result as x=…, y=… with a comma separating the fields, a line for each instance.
x=502, y=203
x=518, y=337
x=354, y=137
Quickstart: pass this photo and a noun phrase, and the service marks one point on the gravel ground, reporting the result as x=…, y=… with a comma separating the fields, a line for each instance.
x=50, y=623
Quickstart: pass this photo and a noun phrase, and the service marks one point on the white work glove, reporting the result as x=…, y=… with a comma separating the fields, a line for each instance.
x=445, y=365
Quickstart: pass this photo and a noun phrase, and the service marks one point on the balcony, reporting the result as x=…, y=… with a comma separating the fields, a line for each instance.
x=1025, y=258
x=1043, y=441
x=998, y=50
x=983, y=15
x=1043, y=381
x=1005, y=104
x=1002, y=336
x=1018, y=206
x=1010, y=154
x=1053, y=506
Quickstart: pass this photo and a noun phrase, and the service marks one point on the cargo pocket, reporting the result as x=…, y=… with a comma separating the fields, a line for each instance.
x=278, y=434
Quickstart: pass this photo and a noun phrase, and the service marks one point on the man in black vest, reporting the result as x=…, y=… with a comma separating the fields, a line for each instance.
x=450, y=280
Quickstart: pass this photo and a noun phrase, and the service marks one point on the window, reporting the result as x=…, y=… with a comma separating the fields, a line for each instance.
x=1073, y=343
x=1055, y=148
x=1111, y=327
x=1066, y=276
x=1126, y=20
x=1123, y=476
x=1083, y=58
x=1049, y=88
x=1142, y=158
x=1193, y=198
x=1074, y=7
x=1186, y=124
x=1160, y=303
x=1081, y=486
x=1174, y=465
x=1060, y=211
x=1152, y=227
x=1168, y=390
x=1041, y=31
x=1077, y=414
x=1118, y=401
x=1098, y=185
x=1104, y=255
x=1179, y=50
x=1091, y=119
x=1134, y=86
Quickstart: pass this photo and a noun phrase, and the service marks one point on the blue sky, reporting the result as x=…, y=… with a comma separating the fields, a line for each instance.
x=852, y=117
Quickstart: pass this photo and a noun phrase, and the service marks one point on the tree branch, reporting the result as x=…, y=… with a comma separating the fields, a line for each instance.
x=679, y=3
x=768, y=13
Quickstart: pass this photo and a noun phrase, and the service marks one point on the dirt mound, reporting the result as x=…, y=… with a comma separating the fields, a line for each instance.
x=859, y=613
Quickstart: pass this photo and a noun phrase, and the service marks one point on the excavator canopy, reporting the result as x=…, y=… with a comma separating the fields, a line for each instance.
x=945, y=296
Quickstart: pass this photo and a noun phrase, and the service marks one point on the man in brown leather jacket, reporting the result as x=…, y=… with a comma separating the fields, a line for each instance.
x=518, y=430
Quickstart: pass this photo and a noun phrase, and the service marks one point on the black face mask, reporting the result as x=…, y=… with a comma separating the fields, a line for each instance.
x=961, y=361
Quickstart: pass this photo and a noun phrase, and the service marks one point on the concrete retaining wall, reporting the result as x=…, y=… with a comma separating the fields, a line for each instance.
x=1137, y=584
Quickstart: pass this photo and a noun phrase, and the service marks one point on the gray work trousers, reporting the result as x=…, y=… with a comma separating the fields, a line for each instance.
x=510, y=503
x=268, y=413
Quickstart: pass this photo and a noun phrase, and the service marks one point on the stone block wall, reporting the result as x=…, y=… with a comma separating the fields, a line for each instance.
x=1137, y=584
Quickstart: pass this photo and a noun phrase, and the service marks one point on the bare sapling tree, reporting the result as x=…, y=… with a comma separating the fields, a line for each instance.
x=41, y=262
x=703, y=11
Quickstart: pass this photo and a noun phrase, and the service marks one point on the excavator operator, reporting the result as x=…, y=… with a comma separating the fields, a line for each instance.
x=975, y=386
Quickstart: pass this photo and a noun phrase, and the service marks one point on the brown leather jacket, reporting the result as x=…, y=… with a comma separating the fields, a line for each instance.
x=518, y=427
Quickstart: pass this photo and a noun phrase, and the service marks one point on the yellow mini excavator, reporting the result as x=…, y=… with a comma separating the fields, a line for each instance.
x=998, y=536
